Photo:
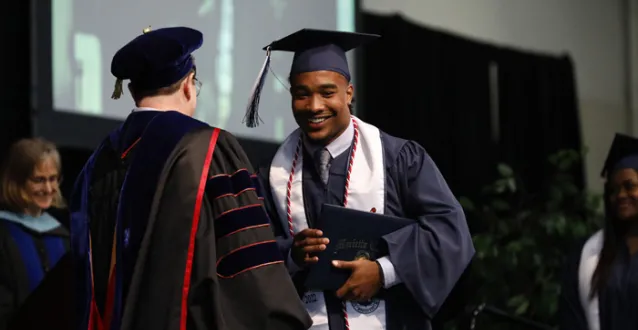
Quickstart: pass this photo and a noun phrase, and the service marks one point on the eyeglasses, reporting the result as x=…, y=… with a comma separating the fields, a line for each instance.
x=41, y=180
x=198, y=86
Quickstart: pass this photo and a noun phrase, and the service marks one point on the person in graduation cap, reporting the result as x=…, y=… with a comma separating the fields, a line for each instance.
x=31, y=240
x=600, y=283
x=336, y=158
x=168, y=230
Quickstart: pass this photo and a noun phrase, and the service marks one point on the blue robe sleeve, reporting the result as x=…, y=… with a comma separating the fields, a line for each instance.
x=429, y=256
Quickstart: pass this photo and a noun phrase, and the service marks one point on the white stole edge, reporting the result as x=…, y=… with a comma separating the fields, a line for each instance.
x=588, y=262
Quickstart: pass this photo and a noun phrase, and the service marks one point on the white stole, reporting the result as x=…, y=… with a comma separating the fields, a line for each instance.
x=366, y=191
x=588, y=262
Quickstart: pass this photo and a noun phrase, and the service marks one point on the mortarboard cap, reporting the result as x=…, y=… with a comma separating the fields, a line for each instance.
x=314, y=50
x=622, y=154
x=155, y=59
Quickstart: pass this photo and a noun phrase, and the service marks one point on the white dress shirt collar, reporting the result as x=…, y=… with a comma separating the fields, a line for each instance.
x=336, y=147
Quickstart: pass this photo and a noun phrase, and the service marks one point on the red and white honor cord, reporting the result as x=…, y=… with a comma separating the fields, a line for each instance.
x=345, y=193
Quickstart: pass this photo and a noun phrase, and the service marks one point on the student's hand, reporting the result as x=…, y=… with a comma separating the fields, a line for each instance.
x=306, y=242
x=363, y=283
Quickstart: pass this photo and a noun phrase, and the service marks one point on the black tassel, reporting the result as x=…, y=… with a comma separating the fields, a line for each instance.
x=252, y=111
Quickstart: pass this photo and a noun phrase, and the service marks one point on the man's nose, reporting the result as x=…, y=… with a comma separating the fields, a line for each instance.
x=317, y=104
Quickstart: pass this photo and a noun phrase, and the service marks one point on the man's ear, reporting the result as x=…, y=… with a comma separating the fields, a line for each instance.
x=350, y=94
x=188, y=85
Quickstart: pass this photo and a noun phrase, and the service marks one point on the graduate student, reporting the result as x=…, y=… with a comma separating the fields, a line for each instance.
x=600, y=284
x=336, y=158
x=32, y=241
x=168, y=231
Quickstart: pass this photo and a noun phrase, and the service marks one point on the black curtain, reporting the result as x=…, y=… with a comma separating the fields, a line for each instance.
x=469, y=104
x=433, y=88
x=538, y=113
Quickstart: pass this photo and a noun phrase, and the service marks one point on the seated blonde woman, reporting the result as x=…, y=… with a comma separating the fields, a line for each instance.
x=31, y=240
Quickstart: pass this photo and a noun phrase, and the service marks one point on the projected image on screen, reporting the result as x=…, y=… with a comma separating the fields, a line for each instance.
x=87, y=33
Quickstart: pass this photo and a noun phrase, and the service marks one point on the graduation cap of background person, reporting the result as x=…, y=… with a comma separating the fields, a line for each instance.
x=622, y=154
x=155, y=59
x=314, y=50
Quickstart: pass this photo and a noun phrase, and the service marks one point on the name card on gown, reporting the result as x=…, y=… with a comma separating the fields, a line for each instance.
x=353, y=235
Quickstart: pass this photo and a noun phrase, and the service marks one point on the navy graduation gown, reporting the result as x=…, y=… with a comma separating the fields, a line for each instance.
x=618, y=300
x=50, y=305
x=193, y=247
x=429, y=256
x=26, y=256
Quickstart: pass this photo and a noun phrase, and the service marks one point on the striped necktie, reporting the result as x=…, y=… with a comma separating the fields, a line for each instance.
x=323, y=159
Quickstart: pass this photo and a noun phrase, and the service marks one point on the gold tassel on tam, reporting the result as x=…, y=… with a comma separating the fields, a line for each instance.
x=117, y=91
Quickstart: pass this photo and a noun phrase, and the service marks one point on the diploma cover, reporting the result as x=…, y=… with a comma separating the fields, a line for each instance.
x=353, y=235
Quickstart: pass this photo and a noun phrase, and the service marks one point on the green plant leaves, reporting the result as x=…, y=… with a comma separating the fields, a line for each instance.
x=499, y=205
x=524, y=237
x=505, y=170
x=467, y=204
x=520, y=303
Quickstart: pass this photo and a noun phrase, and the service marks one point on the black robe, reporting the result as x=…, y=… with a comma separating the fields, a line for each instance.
x=193, y=248
x=26, y=256
x=618, y=299
x=429, y=256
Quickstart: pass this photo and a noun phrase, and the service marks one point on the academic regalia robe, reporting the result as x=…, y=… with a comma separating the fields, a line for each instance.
x=51, y=314
x=617, y=301
x=193, y=247
x=27, y=254
x=429, y=257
